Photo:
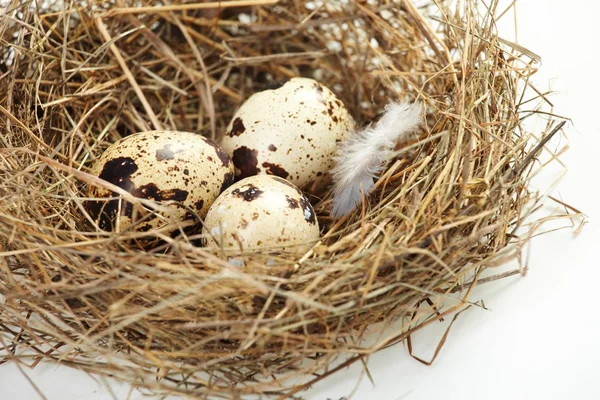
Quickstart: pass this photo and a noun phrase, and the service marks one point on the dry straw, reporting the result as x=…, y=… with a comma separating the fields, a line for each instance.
x=179, y=319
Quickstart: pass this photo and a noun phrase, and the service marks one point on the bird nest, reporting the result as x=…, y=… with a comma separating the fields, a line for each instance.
x=179, y=318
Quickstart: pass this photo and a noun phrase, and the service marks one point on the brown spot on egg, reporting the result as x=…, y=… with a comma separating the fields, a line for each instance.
x=166, y=153
x=237, y=127
x=199, y=204
x=274, y=169
x=117, y=171
x=203, y=183
x=251, y=193
x=318, y=88
x=272, y=147
x=228, y=181
x=307, y=209
x=144, y=228
x=189, y=216
x=245, y=160
x=254, y=216
x=151, y=191
x=224, y=157
x=103, y=212
x=293, y=203
x=186, y=171
x=243, y=223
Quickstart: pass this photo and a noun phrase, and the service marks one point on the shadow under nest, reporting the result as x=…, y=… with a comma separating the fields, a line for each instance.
x=446, y=207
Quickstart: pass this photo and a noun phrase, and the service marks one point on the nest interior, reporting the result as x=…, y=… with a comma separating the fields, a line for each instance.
x=75, y=77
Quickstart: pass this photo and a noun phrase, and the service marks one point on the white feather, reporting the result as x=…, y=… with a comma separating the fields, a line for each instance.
x=361, y=158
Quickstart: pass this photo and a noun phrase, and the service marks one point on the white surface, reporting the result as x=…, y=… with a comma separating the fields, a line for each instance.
x=540, y=338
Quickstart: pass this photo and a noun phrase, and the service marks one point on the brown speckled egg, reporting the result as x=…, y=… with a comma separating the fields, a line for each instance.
x=262, y=212
x=291, y=131
x=185, y=169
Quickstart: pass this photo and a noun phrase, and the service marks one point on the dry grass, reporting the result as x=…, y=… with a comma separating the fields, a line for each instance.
x=180, y=319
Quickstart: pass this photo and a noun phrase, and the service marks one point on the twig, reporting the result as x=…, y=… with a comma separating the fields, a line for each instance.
x=115, y=50
x=189, y=7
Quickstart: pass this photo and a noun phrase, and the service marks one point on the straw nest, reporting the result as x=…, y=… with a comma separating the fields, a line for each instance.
x=181, y=319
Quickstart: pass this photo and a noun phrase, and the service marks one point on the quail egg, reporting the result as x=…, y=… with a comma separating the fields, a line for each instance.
x=262, y=212
x=184, y=169
x=291, y=131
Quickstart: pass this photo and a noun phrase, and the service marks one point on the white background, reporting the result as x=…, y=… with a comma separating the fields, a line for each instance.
x=540, y=338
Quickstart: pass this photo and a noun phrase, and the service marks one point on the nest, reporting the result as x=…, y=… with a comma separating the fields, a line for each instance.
x=179, y=318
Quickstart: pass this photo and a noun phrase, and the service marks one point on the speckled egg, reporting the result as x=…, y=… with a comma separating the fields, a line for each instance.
x=291, y=131
x=262, y=212
x=184, y=169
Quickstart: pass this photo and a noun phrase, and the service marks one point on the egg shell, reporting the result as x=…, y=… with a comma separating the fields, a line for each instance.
x=185, y=169
x=291, y=131
x=262, y=212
